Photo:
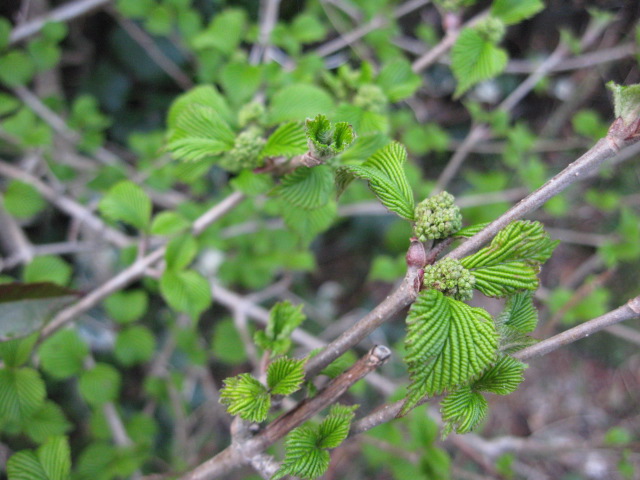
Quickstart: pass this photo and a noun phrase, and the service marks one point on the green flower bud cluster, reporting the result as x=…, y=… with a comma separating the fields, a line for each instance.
x=252, y=112
x=437, y=217
x=372, y=98
x=245, y=152
x=451, y=278
x=491, y=29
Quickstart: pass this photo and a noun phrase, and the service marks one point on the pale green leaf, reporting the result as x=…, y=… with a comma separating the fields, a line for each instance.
x=448, y=343
x=180, y=252
x=22, y=393
x=299, y=101
x=462, y=410
x=134, y=345
x=224, y=33
x=200, y=132
x=127, y=305
x=168, y=223
x=514, y=11
x=48, y=421
x=284, y=318
x=306, y=28
x=309, y=223
x=288, y=140
x=505, y=278
x=48, y=268
x=398, y=80
x=128, y=203
x=55, y=457
x=519, y=313
x=100, y=385
x=16, y=68
x=251, y=183
x=63, y=354
x=387, y=178
x=502, y=378
x=22, y=200
x=203, y=95
x=227, y=345
x=186, y=291
x=285, y=375
x=471, y=230
x=333, y=430
x=474, y=59
x=247, y=397
x=307, y=188
x=240, y=81
x=303, y=458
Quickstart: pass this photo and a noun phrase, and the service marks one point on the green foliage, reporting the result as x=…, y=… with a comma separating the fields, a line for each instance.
x=327, y=140
x=307, y=188
x=186, y=291
x=127, y=306
x=298, y=101
x=22, y=200
x=63, y=354
x=512, y=261
x=168, y=223
x=288, y=139
x=247, y=397
x=48, y=268
x=387, y=178
x=284, y=318
x=51, y=461
x=134, y=345
x=475, y=58
x=514, y=11
x=227, y=344
x=128, y=203
x=437, y=217
x=16, y=352
x=22, y=393
x=448, y=343
x=285, y=376
x=16, y=68
x=306, y=447
x=100, y=384
x=180, y=252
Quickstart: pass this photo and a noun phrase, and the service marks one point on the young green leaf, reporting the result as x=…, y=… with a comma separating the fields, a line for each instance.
x=387, y=178
x=168, y=223
x=24, y=465
x=502, y=378
x=505, y=278
x=307, y=188
x=22, y=200
x=127, y=306
x=247, y=397
x=48, y=421
x=199, y=133
x=186, y=291
x=514, y=11
x=224, y=33
x=398, y=80
x=252, y=184
x=100, y=385
x=327, y=140
x=303, y=459
x=448, y=343
x=240, y=81
x=62, y=355
x=308, y=223
x=462, y=410
x=127, y=202
x=52, y=461
x=285, y=376
x=289, y=139
x=205, y=96
x=180, y=252
x=519, y=313
x=134, y=345
x=333, y=430
x=22, y=393
x=15, y=352
x=298, y=101
x=475, y=58
x=284, y=318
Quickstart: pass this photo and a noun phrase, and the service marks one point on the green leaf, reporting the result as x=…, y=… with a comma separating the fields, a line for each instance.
x=168, y=223
x=16, y=352
x=471, y=230
x=200, y=132
x=227, y=345
x=48, y=268
x=306, y=28
x=474, y=59
x=327, y=140
x=5, y=32
x=309, y=223
x=134, y=345
x=288, y=140
x=626, y=101
x=334, y=429
x=519, y=313
x=181, y=251
x=514, y=11
x=398, y=80
x=284, y=318
x=62, y=355
x=224, y=33
x=505, y=279
x=247, y=397
x=462, y=410
x=285, y=376
x=100, y=385
x=303, y=459
x=55, y=457
x=448, y=343
x=47, y=422
x=128, y=203
x=203, y=96
x=240, y=81
x=307, y=188
x=16, y=68
x=298, y=101
x=252, y=184
x=387, y=178
x=22, y=393
x=127, y=306
x=186, y=291
x=22, y=200
x=502, y=378
x=24, y=465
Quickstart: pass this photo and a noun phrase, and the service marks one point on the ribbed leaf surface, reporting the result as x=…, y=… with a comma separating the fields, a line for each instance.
x=247, y=397
x=520, y=313
x=304, y=459
x=22, y=392
x=307, y=188
x=288, y=140
x=335, y=428
x=462, y=410
x=448, y=343
x=128, y=203
x=285, y=375
x=502, y=378
x=505, y=279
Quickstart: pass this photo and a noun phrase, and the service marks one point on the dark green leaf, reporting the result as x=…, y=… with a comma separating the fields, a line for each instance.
x=100, y=385
x=22, y=393
x=134, y=345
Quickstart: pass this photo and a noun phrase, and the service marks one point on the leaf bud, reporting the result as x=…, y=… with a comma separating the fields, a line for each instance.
x=451, y=278
x=372, y=98
x=437, y=217
x=245, y=152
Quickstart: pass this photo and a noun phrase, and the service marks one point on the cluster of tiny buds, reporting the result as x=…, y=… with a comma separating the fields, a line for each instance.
x=451, y=278
x=437, y=217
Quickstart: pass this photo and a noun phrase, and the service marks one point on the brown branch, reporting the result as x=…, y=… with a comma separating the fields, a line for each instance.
x=241, y=453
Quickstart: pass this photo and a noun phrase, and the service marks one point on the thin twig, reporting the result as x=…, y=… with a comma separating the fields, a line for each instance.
x=268, y=18
x=63, y=13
